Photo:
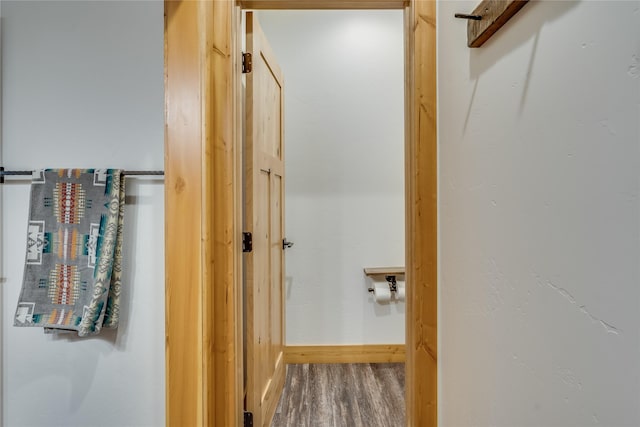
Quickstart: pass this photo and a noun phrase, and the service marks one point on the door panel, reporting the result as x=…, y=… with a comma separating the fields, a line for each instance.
x=263, y=217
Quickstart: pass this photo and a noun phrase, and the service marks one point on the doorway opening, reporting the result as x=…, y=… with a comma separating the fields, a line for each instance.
x=344, y=167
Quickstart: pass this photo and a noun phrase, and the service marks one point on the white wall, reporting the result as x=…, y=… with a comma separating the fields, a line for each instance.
x=540, y=217
x=83, y=87
x=344, y=138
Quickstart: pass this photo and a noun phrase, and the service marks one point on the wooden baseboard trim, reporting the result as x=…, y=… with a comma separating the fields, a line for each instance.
x=374, y=353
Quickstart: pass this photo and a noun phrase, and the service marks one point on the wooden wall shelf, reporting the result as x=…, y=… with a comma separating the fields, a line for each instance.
x=384, y=271
x=488, y=17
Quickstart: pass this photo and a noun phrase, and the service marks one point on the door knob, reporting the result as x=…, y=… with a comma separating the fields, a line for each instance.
x=286, y=244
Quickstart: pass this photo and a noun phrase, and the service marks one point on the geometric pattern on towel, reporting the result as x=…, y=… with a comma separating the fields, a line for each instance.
x=73, y=267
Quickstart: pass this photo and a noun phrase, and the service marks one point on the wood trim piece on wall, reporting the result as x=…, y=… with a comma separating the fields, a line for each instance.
x=494, y=13
x=183, y=217
x=421, y=204
x=376, y=353
x=202, y=241
x=202, y=203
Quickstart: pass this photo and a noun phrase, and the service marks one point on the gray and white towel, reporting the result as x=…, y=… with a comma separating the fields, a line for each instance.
x=73, y=267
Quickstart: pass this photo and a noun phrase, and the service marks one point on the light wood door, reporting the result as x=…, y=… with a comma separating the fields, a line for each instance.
x=264, y=218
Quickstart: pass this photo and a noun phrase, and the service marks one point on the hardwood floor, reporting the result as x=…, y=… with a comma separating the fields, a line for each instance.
x=342, y=395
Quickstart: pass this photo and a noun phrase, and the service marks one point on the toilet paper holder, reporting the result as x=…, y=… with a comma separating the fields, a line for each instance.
x=389, y=273
x=391, y=280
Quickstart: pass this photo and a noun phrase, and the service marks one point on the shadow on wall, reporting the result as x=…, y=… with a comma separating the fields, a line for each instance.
x=528, y=24
x=82, y=380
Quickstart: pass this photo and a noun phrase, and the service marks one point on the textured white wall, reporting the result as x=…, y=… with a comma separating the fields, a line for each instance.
x=83, y=87
x=540, y=217
x=344, y=138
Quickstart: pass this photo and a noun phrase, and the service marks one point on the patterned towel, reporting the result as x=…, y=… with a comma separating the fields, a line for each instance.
x=73, y=268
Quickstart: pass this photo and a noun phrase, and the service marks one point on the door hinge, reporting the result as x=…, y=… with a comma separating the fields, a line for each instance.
x=247, y=64
x=247, y=242
x=248, y=419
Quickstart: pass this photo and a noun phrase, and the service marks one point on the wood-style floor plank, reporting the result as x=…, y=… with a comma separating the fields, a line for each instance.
x=342, y=395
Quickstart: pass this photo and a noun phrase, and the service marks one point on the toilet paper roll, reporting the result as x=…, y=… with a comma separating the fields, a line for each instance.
x=400, y=292
x=381, y=292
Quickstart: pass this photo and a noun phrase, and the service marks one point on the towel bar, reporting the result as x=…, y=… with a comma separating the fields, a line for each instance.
x=4, y=173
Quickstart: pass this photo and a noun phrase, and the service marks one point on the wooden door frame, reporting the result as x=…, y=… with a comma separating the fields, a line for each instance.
x=203, y=209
